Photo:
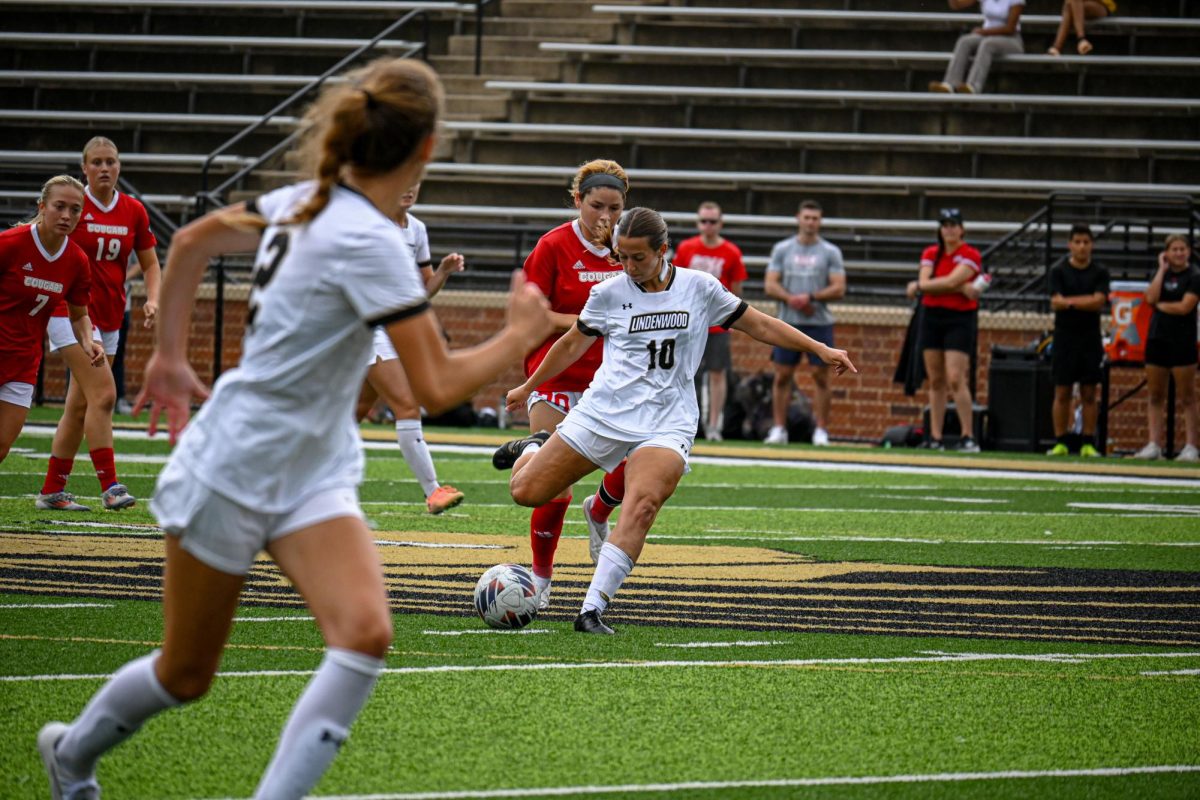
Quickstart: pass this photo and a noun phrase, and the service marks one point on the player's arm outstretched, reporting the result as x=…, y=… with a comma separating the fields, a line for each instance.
x=441, y=378
x=569, y=348
x=771, y=330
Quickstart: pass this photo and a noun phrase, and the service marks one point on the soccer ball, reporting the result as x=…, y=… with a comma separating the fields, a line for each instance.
x=505, y=597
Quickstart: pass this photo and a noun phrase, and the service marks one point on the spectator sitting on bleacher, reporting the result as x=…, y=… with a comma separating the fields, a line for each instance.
x=1000, y=34
x=1073, y=15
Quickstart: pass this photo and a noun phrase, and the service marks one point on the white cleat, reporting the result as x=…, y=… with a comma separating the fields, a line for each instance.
x=543, y=598
x=1188, y=453
x=61, y=788
x=777, y=435
x=821, y=437
x=597, y=531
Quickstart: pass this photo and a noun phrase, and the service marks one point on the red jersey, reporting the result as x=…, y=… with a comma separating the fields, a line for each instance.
x=965, y=254
x=565, y=266
x=109, y=236
x=723, y=262
x=32, y=283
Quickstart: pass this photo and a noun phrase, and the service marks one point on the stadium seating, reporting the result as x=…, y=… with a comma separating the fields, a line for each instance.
x=751, y=105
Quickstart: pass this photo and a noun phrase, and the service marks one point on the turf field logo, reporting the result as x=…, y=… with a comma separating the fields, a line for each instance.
x=659, y=321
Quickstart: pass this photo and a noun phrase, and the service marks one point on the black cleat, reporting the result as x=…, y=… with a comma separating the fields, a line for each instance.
x=507, y=454
x=590, y=622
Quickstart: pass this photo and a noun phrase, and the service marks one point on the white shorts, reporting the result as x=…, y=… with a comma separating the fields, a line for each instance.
x=563, y=401
x=608, y=453
x=228, y=536
x=382, y=347
x=17, y=393
x=63, y=335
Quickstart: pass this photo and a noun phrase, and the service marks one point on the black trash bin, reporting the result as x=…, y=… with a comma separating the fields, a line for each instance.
x=1020, y=397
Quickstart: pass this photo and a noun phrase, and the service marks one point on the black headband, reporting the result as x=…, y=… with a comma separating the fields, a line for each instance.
x=601, y=179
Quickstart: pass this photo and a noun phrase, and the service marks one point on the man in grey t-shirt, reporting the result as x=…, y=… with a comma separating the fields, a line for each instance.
x=805, y=273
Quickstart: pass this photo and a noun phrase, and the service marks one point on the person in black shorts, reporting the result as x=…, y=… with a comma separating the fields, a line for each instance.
x=1078, y=293
x=1171, y=344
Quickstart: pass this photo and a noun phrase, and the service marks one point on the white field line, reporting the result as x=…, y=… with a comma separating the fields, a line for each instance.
x=489, y=632
x=957, y=512
x=846, y=780
x=1175, y=672
x=731, y=534
x=1157, y=507
x=716, y=644
x=934, y=657
x=440, y=545
x=940, y=499
x=273, y=619
x=47, y=431
x=57, y=605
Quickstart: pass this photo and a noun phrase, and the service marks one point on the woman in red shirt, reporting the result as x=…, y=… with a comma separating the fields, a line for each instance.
x=565, y=264
x=950, y=307
x=39, y=268
x=113, y=227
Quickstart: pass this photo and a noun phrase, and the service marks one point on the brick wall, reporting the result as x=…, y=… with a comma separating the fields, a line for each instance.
x=865, y=404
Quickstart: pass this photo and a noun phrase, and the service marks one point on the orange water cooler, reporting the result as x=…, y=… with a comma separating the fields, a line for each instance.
x=1130, y=321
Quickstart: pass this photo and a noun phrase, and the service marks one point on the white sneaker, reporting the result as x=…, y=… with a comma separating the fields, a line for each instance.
x=1188, y=453
x=1150, y=451
x=777, y=435
x=597, y=531
x=60, y=787
x=543, y=598
x=713, y=435
x=821, y=437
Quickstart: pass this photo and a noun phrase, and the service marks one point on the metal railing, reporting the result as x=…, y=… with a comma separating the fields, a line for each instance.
x=480, y=5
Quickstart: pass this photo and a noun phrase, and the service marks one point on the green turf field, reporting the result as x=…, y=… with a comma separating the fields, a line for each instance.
x=822, y=631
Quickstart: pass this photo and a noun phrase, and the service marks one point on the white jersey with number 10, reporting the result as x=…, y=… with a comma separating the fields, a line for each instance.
x=653, y=343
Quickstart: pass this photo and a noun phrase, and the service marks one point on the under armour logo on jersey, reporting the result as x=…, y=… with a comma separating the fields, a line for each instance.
x=88, y=216
x=28, y=267
x=626, y=306
x=579, y=265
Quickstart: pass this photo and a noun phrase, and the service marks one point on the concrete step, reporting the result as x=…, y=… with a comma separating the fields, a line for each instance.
x=546, y=28
x=542, y=69
x=486, y=106
x=463, y=84
x=582, y=9
x=501, y=45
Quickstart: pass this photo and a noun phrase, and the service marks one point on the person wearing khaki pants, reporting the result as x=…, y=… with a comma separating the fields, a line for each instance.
x=1000, y=34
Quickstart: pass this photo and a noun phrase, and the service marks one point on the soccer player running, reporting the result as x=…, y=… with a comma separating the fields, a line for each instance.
x=272, y=462
x=385, y=375
x=566, y=263
x=39, y=267
x=113, y=227
x=641, y=405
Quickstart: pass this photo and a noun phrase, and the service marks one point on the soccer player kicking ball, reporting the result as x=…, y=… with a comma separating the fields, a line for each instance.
x=641, y=405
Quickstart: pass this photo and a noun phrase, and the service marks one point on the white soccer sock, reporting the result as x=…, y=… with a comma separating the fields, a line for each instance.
x=540, y=583
x=416, y=454
x=612, y=568
x=319, y=723
x=115, y=713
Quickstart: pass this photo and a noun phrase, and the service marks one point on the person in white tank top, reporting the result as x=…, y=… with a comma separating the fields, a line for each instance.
x=641, y=405
x=273, y=460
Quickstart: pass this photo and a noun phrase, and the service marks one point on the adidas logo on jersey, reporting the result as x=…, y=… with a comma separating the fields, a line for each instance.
x=579, y=265
x=28, y=267
x=88, y=216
